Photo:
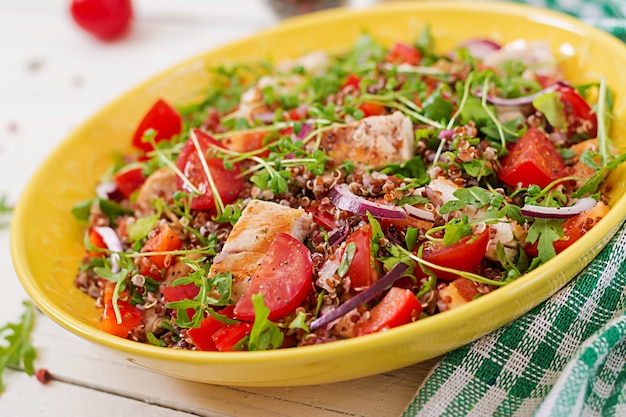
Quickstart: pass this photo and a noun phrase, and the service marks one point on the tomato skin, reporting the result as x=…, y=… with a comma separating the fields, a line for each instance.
x=131, y=315
x=163, y=119
x=532, y=160
x=464, y=255
x=96, y=240
x=284, y=278
x=353, y=81
x=227, y=337
x=181, y=292
x=401, y=53
x=399, y=306
x=582, y=122
x=323, y=219
x=202, y=336
x=164, y=240
x=228, y=181
x=360, y=271
x=128, y=181
x=372, y=109
x=573, y=229
x=245, y=142
x=105, y=19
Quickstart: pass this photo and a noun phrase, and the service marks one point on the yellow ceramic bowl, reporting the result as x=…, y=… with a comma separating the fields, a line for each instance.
x=47, y=241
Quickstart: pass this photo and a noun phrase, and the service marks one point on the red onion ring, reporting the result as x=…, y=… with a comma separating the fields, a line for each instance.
x=418, y=213
x=445, y=134
x=113, y=243
x=338, y=235
x=363, y=297
x=480, y=48
x=341, y=196
x=558, y=213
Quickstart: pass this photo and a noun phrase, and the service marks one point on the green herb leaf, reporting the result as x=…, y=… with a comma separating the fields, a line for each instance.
x=346, y=259
x=552, y=108
x=456, y=230
x=264, y=334
x=16, y=348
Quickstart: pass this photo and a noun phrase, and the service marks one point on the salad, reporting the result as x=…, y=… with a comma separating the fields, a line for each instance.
x=337, y=195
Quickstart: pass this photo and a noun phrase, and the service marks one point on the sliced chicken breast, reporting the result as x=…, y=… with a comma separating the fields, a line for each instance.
x=252, y=235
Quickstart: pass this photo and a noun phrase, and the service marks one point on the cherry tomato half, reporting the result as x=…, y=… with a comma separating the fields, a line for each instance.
x=582, y=122
x=202, y=336
x=284, y=278
x=164, y=240
x=532, y=160
x=464, y=255
x=163, y=119
x=227, y=181
x=105, y=19
x=360, y=271
x=131, y=315
x=129, y=180
x=402, y=53
x=399, y=306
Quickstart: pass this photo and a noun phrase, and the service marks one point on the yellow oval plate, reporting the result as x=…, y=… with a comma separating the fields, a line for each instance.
x=47, y=241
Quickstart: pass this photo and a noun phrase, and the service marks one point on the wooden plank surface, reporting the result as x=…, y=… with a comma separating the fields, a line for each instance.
x=52, y=77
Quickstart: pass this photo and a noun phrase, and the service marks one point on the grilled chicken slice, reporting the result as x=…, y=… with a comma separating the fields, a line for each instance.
x=372, y=142
x=251, y=236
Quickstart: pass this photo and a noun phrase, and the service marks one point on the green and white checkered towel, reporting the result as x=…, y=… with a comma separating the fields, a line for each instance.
x=567, y=357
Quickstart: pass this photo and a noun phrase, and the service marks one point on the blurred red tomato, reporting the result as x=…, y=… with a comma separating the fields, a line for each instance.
x=106, y=19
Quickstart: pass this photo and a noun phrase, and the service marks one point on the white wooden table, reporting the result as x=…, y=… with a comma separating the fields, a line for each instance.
x=52, y=77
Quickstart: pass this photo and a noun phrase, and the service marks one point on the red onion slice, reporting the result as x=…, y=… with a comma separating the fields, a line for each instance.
x=363, y=297
x=113, y=243
x=557, y=213
x=341, y=196
x=445, y=134
x=418, y=213
x=480, y=48
x=518, y=101
x=338, y=235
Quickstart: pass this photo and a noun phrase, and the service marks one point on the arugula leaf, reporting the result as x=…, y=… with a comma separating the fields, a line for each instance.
x=592, y=184
x=346, y=259
x=476, y=196
x=264, y=334
x=113, y=210
x=456, y=230
x=552, y=108
x=413, y=168
x=478, y=168
x=142, y=227
x=15, y=343
x=436, y=107
x=546, y=232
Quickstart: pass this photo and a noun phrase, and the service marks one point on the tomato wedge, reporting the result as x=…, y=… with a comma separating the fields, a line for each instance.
x=96, y=240
x=532, y=160
x=284, y=278
x=129, y=180
x=401, y=53
x=399, y=306
x=131, y=315
x=202, y=336
x=464, y=255
x=573, y=229
x=164, y=240
x=163, y=119
x=227, y=181
x=360, y=271
x=227, y=337
x=582, y=122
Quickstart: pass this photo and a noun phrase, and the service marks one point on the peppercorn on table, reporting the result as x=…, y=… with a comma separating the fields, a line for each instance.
x=54, y=76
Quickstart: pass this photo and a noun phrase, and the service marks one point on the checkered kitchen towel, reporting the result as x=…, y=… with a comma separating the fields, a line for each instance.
x=567, y=357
